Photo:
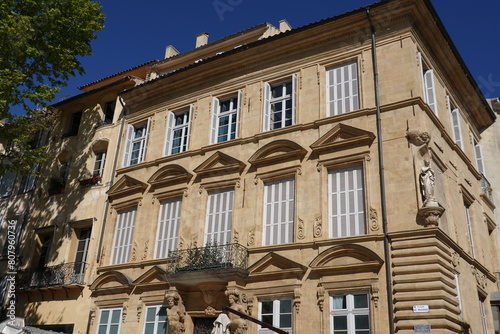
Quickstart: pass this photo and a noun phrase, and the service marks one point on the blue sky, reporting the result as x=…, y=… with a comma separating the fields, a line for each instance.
x=138, y=31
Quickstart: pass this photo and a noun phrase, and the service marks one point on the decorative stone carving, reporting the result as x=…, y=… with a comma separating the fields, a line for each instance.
x=210, y=311
x=181, y=243
x=139, y=313
x=374, y=226
x=124, y=312
x=300, y=229
x=418, y=138
x=375, y=299
x=145, y=251
x=455, y=259
x=92, y=316
x=134, y=252
x=237, y=324
x=318, y=227
x=431, y=215
x=480, y=277
x=296, y=299
x=251, y=238
x=321, y=296
x=175, y=312
x=236, y=237
x=427, y=184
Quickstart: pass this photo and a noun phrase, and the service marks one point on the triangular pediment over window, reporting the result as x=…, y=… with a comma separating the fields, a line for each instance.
x=342, y=137
x=346, y=259
x=277, y=151
x=111, y=282
x=169, y=175
x=274, y=266
x=154, y=277
x=126, y=186
x=219, y=164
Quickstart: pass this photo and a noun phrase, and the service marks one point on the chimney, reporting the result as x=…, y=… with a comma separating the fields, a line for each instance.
x=285, y=26
x=201, y=39
x=170, y=51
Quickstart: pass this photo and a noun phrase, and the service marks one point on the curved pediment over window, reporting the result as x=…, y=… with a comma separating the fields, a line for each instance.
x=342, y=137
x=274, y=266
x=277, y=151
x=346, y=259
x=219, y=164
x=111, y=282
x=126, y=186
x=169, y=175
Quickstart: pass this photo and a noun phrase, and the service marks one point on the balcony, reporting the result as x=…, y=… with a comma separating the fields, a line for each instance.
x=61, y=275
x=486, y=188
x=210, y=257
x=90, y=181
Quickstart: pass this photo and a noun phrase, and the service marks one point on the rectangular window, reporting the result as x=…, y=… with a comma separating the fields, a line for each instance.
x=100, y=159
x=342, y=93
x=225, y=118
x=74, y=124
x=135, y=148
x=219, y=217
x=43, y=250
x=279, y=104
x=156, y=320
x=168, y=228
x=429, y=85
x=64, y=171
x=109, y=321
x=109, y=112
x=28, y=181
x=82, y=248
x=178, y=128
x=478, y=154
x=7, y=183
x=123, y=237
x=277, y=313
x=350, y=313
x=346, y=202
x=279, y=212
x=469, y=229
x=455, y=123
x=483, y=315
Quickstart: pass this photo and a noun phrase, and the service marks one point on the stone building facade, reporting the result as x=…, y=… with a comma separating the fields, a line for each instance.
x=323, y=179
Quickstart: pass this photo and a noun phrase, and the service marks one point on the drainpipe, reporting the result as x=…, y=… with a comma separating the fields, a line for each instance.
x=115, y=162
x=387, y=256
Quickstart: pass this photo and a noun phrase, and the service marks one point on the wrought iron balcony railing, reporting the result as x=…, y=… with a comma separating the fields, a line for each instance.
x=486, y=188
x=60, y=275
x=209, y=257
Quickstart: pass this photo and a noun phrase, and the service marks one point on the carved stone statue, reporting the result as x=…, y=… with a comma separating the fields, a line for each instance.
x=175, y=312
x=427, y=183
x=237, y=324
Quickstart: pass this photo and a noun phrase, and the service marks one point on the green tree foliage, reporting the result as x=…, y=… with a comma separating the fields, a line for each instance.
x=40, y=45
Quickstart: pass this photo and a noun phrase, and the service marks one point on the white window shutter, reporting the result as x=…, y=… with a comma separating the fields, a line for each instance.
x=266, y=107
x=128, y=146
x=168, y=228
x=215, y=120
x=346, y=203
x=279, y=212
x=123, y=237
x=455, y=123
x=188, y=130
x=430, y=92
x=238, y=110
x=145, y=141
x=168, y=135
x=294, y=97
x=219, y=217
x=479, y=158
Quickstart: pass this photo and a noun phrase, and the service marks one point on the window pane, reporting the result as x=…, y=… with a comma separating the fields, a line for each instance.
x=286, y=320
x=361, y=322
x=340, y=322
x=361, y=301
x=268, y=319
x=339, y=303
x=102, y=329
x=286, y=306
x=115, y=318
x=113, y=329
x=104, y=317
x=149, y=329
x=267, y=307
x=150, y=314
